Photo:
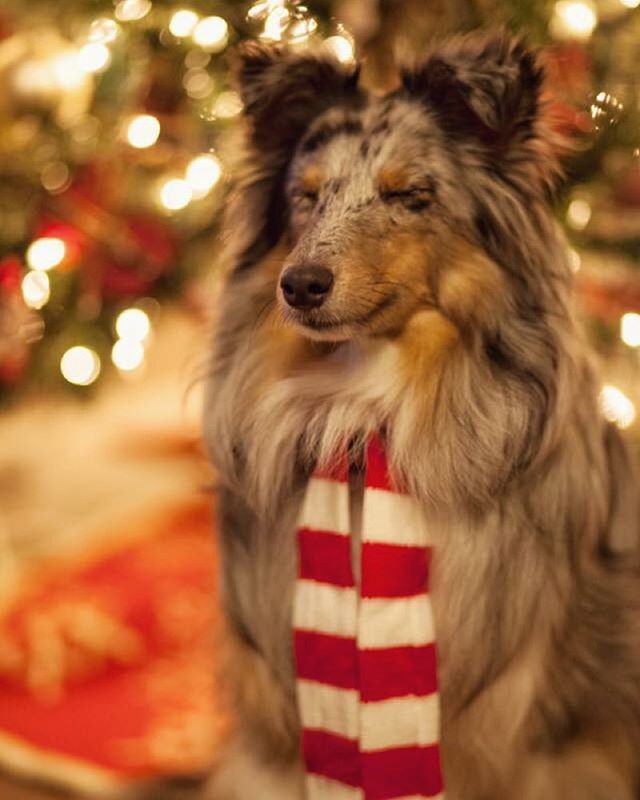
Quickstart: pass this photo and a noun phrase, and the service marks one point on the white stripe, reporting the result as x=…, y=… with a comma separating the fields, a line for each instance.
x=330, y=709
x=422, y=797
x=324, y=789
x=326, y=506
x=394, y=519
x=395, y=622
x=323, y=608
x=400, y=722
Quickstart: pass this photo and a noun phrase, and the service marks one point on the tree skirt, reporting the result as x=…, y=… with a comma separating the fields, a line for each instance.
x=107, y=659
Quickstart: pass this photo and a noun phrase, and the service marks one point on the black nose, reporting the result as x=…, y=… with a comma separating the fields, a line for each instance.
x=307, y=286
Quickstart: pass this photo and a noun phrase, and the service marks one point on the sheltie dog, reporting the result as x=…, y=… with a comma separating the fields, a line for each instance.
x=395, y=266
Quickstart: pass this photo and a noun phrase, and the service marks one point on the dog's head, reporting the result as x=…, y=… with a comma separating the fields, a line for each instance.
x=392, y=204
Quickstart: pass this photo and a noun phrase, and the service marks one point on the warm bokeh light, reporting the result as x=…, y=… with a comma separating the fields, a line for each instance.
x=183, y=22
x=616, y=406
x=630, y=3
x=203, y=173
x=578, y=214
x=143, y=131
x=46, y=253
x=103, y=30
x=573, y=19
x=575, y=260
x=211, y=33
x=36, y=289
x=133, y=324
x=127, y=354
x=175, y=194
x=132, y=10
x=630, y=329
x=94, y=57
x=341, y=48
x=80, y=365
x=227, y=105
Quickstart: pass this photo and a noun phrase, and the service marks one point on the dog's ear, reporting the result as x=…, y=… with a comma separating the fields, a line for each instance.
x=487, y=88
x=283, y=92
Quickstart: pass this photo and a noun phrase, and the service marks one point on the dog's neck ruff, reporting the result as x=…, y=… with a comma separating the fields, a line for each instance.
x=365, y=650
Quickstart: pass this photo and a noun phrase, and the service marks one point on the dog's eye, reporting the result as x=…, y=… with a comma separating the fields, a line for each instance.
x=306, y=198
x=416, y=198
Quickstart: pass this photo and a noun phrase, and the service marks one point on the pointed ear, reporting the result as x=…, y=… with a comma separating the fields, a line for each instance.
x=283, y=92
x=487, y=88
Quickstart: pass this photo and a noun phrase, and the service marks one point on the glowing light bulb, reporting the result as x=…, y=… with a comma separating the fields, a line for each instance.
x=616, y=407
x=94, y=57
x=578, y=214
x=573, y=19
x=630, y=3
x=36, y=289
x=132, y=10
x=275, y=24
x=127, y=354
x=341, y=48
x=227, y=105
x=175, y=194
x=183, y=22
x=133, y=324
x=103, y=30
x=80, y=365
x=203, y=173
x=630, y=329
x=68, y=71
x=211, y=33
x=575, y=262
x=45, y=254
x=143, y=131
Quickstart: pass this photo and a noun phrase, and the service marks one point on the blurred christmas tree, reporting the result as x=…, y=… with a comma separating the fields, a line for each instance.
x=116, y=141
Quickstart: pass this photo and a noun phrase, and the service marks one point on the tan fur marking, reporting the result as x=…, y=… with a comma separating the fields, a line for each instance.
x=392, y=178
x=472, y=286
x=312, y=178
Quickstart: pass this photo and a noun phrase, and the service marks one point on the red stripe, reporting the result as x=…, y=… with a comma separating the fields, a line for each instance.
x=402, y=771
x=377, y=473
x=397, y=672
x=331, y=756
x=330, y=660
x=338, y=470
x=391, y=570
x=324, y=557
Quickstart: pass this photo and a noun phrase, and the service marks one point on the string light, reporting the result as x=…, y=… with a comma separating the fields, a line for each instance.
x=68, y=71
x=132, y=10
x=616, y=407
x=303, y=26
x=212, y=34
x=203, y=173
x=275, y=24
x=605, y=110
x=630, y=3
x=578, y=214
x=36, y=289
x=133, y=324
x=340, y=47
x=127, y=354
x=175, y=194
x=143, y=131
x=80, y=365
x=103, y=30
x=55, y=177
x=183, y=22
x=573, y=19
x=94, y=57
x=198, y=83
x=46, y=253
x=263, y=8
x=630, y=329
x=575, y=262
x=227, y=105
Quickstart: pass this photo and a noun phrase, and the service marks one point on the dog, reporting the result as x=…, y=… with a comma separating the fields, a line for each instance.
x=394, y=265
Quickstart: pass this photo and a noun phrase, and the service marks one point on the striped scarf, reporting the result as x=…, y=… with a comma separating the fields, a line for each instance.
x=365, y=650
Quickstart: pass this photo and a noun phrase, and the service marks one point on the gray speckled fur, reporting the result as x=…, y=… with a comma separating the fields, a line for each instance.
x=536, y=587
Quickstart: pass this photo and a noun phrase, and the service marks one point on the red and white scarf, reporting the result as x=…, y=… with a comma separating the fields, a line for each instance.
x=365, y=650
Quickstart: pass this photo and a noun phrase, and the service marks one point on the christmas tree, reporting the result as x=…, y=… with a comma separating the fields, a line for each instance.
x=118, y=141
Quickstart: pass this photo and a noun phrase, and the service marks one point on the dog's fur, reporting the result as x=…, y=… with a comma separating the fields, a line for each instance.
x=449, y=325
